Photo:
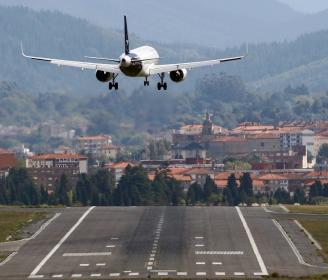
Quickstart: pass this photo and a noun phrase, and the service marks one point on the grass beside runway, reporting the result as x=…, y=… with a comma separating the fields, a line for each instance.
x=11, y=223
x=308, y=209
x=319, y=230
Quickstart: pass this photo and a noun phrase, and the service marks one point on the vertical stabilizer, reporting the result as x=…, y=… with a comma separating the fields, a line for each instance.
x=126, y=37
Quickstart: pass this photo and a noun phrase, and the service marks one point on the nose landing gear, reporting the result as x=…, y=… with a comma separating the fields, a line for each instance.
x=146, y=82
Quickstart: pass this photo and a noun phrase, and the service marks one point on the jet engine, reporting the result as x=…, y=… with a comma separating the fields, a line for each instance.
x=104, y=76
x=178, y=75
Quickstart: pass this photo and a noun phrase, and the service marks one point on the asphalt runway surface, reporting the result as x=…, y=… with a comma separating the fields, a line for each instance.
x=157, y=242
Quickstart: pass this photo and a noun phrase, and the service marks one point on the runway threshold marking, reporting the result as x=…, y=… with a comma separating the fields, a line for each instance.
x=252, y=241
x=61, y=241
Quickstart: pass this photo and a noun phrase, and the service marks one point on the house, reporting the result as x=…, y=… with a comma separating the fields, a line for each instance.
x=7, y=161
x=46, y=169
x=272, y=182
x=99, y=146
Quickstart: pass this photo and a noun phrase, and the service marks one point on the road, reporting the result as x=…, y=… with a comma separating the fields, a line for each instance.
x=141, y=242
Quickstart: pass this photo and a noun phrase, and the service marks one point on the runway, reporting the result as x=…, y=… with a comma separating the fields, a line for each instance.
x=156, y=242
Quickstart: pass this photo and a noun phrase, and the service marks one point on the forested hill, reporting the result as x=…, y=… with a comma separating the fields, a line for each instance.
x=268, y=66
x=219, y=23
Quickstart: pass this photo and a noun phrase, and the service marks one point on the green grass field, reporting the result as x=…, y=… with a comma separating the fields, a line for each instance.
x=309, y=209
x=319, y=230
x=11, y=222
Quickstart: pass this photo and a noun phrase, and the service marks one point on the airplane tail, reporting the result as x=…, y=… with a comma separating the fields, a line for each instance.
x=126, y=36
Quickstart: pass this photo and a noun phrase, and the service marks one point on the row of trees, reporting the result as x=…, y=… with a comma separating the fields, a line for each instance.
x=136, y=189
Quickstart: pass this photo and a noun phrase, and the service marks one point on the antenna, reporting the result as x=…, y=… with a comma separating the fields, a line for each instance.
x=126, y=37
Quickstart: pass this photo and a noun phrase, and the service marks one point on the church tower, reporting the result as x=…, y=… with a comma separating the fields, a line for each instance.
x=207, y=125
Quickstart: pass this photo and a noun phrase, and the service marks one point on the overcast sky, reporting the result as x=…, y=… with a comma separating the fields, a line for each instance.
x=307, y=6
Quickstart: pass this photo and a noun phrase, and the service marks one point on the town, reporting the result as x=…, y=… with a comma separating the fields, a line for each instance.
x=285, y=163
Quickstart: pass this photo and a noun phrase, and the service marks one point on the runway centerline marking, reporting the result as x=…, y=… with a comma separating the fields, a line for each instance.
x=239, y=273
x=61, y=241
x=95, y=275
x=200, y=273
x=76, y=275
x=200, y=263
x=182, y=273
x=114, y=274
x=199, y=245
x=252, y=241
x=220, y=273
x=216, y=263
x=110, y=246
x=100, y=264
x=199, y=237
x=134, y=274
x=57, y=276
x=84, y=264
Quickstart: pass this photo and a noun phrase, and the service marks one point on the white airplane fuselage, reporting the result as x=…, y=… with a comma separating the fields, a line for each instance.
x=145, y=56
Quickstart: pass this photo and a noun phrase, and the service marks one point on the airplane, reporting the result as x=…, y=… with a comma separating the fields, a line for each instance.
x=139, y=62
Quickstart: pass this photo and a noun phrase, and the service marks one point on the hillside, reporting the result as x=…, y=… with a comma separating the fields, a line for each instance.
x=220, y=23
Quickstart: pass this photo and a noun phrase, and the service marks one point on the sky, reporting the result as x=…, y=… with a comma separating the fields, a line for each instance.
x=307, y=6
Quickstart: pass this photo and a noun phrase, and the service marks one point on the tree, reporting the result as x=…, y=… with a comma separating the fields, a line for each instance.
x=133, y=188
x=246, y=188
x=195, y=194
x=282, y=196
x=160, y=189
x=44, y=195
x=104, y=183
x=210, y=189
x=299, y=196
x=316, y=189
x=322, y=156
x=83, y=189
x=231, y=192
x=63, y=191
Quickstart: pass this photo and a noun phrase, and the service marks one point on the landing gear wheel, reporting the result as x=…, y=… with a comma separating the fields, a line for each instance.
x=159, y=86
x=146, y=83
x=116, y=86
x=165, y=86
x=110, y=86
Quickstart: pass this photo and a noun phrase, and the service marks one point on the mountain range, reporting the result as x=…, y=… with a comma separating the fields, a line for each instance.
x=219, y=23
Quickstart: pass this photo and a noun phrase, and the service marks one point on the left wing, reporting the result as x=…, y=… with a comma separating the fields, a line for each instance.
x=157, y=69
x=112, y=68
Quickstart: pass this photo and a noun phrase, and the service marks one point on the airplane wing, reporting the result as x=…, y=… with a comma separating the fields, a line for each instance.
x=112, y=68
x=157, y=68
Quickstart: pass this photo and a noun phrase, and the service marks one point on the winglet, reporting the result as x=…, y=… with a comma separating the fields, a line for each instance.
x=22, y=49
x=247, y=51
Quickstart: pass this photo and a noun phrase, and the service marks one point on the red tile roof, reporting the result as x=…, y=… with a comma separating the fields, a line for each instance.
x=271, y=176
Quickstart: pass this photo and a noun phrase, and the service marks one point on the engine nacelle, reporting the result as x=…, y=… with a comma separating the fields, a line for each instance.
x=178, y=75
x=104, y=76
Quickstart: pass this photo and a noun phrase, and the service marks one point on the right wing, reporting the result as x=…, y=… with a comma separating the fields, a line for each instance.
x=112, y=68
x=158, y=68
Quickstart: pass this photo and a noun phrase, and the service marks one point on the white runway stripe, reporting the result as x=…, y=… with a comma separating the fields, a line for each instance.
x=163, y=273
x=199, y=245
x=200, y=273
x=114, y=274
x=220, y=273
x=100, y=264
x=110, y=246
x=76, y=275
x=134, y=274
x=239, y=273
x=36, y=276
x=84, y=264
x=57, y=276
x=182, y=273
x=219, y=252
x=95, y=275
x=92, y=254
x=200, y=262
x=252, y=241
x=216, y=263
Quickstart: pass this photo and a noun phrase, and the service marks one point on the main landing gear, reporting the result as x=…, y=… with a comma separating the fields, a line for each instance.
x=146, y=82
x=162, y=84
x=113, y=84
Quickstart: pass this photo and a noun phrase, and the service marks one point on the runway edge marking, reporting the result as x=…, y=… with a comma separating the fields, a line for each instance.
x=61, y=241
x=252, y=241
